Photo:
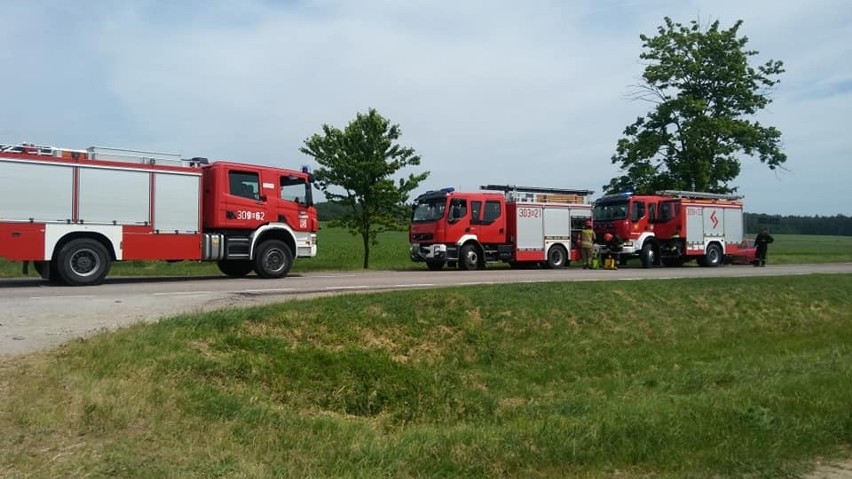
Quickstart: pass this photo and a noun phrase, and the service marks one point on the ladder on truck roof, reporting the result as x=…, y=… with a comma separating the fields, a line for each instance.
x=105, y=153
x=536, y=194
x=698, y=195
x=42, y=150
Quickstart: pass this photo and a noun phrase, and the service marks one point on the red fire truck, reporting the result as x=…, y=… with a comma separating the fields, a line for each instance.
x=519, y=225
x=673, y=227
x=73, y=212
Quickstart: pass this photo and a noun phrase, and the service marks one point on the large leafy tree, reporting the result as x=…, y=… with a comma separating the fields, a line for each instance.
x=357, y=166
x=706, y=95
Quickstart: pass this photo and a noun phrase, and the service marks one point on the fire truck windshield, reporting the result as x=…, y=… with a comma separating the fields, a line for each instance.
x=610, y=211
x=429, y=210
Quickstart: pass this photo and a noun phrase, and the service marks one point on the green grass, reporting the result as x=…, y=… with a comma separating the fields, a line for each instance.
x=678, y=378
x=340, y=251
x=797, y=249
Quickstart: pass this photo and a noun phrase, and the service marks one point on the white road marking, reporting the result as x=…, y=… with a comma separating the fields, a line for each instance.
x=64, y=297
x=323, y=276
x=271, y=290
x=334, y=288
x=415, y=285
x=183, y=293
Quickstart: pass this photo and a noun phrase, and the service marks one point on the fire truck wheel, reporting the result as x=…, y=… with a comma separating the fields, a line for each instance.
x=435, y=265
x=235, y=268
x=469, y=258
x=557, y=257
x=273, y=259
x=83, y=262
x=713, y=255
x=647, y=255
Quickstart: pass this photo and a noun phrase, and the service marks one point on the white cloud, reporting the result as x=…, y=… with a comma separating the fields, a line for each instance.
x=486, y=91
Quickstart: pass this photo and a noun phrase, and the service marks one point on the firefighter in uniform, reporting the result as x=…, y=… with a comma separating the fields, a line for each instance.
x=613, y=251
x=762, y=241
x=587, y=244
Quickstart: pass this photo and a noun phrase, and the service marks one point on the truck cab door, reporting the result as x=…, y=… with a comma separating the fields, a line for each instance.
x=638, y=218
x=458, y=220
x=292, y=200
x=244, y=201
x=667, y=224
x=492, y=223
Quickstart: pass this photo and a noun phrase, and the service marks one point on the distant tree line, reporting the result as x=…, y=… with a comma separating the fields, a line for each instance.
x=838, y=225
x=330, y=211
x=327, y=211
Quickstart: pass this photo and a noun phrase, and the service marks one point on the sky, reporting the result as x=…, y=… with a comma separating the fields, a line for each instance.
x=530, y=93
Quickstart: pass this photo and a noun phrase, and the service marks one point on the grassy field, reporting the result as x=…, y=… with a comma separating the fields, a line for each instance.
x=340, y=251
x=697, y=378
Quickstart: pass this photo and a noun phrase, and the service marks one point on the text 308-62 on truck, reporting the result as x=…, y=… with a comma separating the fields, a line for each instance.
x=73, y=212
x=520, y=225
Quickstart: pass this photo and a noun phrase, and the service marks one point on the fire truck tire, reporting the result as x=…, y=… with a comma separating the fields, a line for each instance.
x=435, y=265
x=557, y=257
x=469, y=257
x=273, y=259
x=713, y=256
x=235, y=268
x=647, y=256
x=82, y=262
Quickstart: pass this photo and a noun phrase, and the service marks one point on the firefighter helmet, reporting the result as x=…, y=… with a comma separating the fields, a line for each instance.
x=608, y=237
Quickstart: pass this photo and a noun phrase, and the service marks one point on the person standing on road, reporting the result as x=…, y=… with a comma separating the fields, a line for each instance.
x=762, y=241
x=587, y=244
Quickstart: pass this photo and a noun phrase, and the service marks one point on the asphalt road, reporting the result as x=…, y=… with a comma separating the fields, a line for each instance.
x=36, y=315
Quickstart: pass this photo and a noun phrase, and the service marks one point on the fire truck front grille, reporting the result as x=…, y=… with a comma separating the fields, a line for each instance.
x=421, y=237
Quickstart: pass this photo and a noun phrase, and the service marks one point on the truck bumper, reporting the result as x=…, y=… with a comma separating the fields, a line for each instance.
x=432, y=252
x=306, y=245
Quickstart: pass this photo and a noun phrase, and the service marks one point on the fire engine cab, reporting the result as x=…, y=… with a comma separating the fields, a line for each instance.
x=673, y=227
x=519, y=225
x=73, y=212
